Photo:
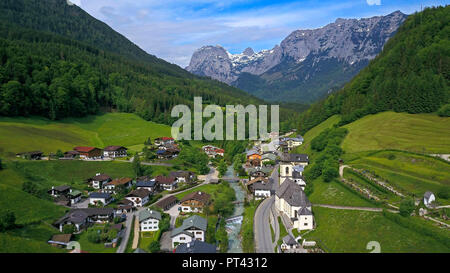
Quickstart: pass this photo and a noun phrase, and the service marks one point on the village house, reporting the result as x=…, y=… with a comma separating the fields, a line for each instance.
x=193, y=228
x=164, y=141
x=149, y=220
x=138, y=197
x=147, y=183
x=258, y=172
x=195, y=201
x=166, y=183
x=125, y=206
x=100, y=198
x=212, y=151
x=70, y=155
x=288, y=162
x=167, y=203
x=89, y=152
x=115, y=152
x=81, y=218
x=292, y=201
x=428, y=199
x=253, y=158
x=99, y=180
x=267, y=158
x=115, y=185
x=59, y=190
x=183, y=176
x=260, y=187
x=34, y=155
x=196, y=247
x=289, y=243
x=60, y=240
x=293, y=142
x=167, y=153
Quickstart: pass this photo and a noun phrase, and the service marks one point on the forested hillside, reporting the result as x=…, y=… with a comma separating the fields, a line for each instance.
x=410, y=75
x=57, y=61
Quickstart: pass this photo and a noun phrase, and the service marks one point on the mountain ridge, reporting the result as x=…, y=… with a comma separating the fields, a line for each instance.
x=349, y=43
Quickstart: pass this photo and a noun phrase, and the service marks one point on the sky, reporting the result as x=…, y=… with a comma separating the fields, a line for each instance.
x=174, y=29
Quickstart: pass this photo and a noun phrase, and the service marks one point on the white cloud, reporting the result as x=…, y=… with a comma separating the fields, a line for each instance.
x=373, y=2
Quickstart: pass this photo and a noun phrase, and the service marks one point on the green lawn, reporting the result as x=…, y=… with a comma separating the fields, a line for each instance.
x=16, y=244
x=147, y=238
x=208, y=188
x=35, y=133
x=424, y=133
x=334, y=193
x=350, y=231
x=412, y=173
x=247, y=232
x=313, y=132
x=89, y=247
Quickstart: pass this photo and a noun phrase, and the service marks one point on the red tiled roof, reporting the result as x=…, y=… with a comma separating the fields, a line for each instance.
x=84, y=149
x=166, y=138
x=220, y=151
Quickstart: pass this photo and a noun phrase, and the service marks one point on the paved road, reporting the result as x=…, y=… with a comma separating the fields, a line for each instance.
x=261, y=224
x=263, y=237
x=124, y=242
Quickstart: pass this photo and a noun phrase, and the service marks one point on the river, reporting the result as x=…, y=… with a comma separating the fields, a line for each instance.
x=234, y=241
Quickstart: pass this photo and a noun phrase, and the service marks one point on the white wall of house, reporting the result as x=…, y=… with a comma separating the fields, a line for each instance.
x=181, y=239
x=427, y=202
x=189, y=209
x=94, y=201
x=304, y=222
x=137, y=201
x=150, y=224
x=261, y=194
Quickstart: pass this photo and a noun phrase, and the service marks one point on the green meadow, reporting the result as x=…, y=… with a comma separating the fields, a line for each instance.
x=313, y=132
x=350, y=231
x=34, y=133
x=412, y=173
x=423, y=133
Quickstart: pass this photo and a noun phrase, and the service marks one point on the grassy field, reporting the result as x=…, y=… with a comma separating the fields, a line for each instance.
x=350, y=231
x=29, y=134
x=333, y=193
x=247, y=232
x=313, y=132
x=147, y=238
x=412, y=173
x=424, y=133
x=209, y=188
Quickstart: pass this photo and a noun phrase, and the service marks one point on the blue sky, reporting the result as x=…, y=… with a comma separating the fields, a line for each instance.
x=174, y=29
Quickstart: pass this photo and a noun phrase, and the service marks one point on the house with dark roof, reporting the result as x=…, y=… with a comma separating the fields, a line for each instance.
x=428, y=199
x=167, y=183
x=289, y=243
x=99, y=180
x=71, y=155
x=100, y=198
x=149, y=220
x=34, y=155
x=261, y=187
x=59, y=190
x=115, y=151
x=288, y=163
x=81, y=218
x=183, y=176
x=146, y=182
x=167, y=203
x=196, y=246
x=195, y=201
x=88, y=152
x=291, y=200
x=193, y=228
x=138, y=197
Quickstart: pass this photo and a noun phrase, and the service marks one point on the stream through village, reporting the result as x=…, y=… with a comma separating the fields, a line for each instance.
x=234, y=227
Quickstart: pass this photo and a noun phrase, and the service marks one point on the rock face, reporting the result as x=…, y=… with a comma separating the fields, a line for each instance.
x=307, y=64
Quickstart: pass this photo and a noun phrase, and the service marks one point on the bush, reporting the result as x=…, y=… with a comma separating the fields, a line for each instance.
x=7, y=220
x=444, y=193
x=407, y=207
x=444, y=111
x=154, y=247
x=93, y=236
x=68, y=229
x=1, y=165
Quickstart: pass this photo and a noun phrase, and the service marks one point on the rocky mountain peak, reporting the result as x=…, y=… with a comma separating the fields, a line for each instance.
x=248, y=51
